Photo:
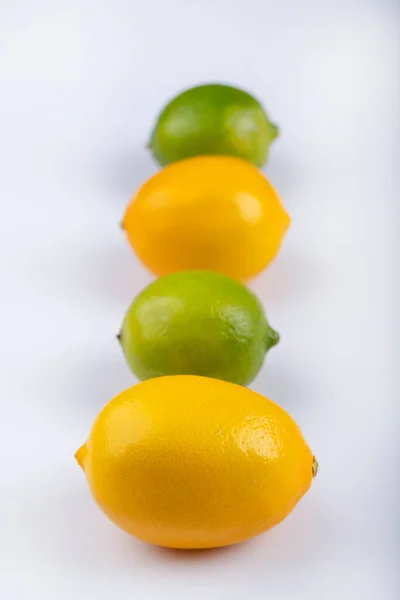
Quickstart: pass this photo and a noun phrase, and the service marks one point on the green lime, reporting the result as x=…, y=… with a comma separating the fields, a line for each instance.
x=213, y=119
x=197, y=323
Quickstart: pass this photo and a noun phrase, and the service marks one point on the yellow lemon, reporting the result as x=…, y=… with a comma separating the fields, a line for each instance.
x=217, y=213
x=192, y=462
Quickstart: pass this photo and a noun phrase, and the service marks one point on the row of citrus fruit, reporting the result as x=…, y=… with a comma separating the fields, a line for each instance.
x=187, y=460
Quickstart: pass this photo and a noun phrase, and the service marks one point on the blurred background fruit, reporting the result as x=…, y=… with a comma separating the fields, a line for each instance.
x=211, y=212
x=197, y=323
x=194, y=462
x=213, y=119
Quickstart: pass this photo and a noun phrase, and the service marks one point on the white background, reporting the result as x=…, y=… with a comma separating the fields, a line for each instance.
x=80, y=85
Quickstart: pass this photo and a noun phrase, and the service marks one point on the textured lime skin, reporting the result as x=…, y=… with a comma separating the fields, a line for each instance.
x=196, y=323
x=213, y=119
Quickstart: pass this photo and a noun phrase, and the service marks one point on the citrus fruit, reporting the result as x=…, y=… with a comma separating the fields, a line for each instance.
x=194, y=462
x=217, y=213
x=213, y=119
x=196, y=323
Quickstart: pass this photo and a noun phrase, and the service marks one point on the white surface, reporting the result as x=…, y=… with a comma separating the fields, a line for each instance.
x=80, y=85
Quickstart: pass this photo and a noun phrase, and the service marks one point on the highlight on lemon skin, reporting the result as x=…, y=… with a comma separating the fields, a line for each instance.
x=193, y=462
x=216, y=213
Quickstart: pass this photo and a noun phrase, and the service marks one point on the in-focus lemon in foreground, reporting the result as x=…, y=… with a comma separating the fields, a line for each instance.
x=217, y=213
x=193, y=462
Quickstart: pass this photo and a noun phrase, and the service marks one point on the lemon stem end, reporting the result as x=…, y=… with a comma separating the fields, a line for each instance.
x=315, y=467
x=80, y=456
